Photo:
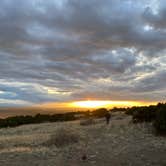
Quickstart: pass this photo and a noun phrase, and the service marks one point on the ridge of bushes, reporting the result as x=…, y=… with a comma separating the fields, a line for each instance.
x=153, y=113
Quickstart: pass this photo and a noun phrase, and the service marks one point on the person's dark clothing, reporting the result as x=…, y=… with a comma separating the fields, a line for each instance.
x=108, y=117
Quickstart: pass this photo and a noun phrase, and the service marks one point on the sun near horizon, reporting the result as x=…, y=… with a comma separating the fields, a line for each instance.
x=93, y=104
x=107, y=103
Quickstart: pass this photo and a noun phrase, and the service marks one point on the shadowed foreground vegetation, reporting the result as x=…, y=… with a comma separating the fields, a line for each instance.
x=154, y=113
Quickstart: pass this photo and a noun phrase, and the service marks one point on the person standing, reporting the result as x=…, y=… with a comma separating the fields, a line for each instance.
x=107, y=117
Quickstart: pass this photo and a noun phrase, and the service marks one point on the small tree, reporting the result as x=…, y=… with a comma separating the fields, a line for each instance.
x=160, y=121
x=99, y=113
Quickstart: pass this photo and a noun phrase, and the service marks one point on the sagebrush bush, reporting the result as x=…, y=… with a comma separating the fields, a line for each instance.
x=144, y=115
x=63, y=137
x=99, y=113
x=160, y=121
x=130, y=111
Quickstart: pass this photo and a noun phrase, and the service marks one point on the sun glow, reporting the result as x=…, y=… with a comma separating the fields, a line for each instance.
x=90, y=104
x=93, y=104
x=99, y=103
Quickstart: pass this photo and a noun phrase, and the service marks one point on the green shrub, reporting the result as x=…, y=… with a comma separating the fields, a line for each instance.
x=160, y=121
x=39, y=118
x=130, y=111
x=144, y=115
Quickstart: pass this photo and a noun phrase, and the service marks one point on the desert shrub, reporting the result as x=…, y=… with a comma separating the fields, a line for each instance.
x=99, y=113
x=63, y=137
x=39, y=118
x=130, y=111
x=160, y=121
x=115, y=109
x=143, y=114
x=86, y=122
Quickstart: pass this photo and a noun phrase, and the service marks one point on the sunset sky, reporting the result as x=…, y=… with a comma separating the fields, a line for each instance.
x=64, y=51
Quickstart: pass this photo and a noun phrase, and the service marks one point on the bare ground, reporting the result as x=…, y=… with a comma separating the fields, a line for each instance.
x=120, y=143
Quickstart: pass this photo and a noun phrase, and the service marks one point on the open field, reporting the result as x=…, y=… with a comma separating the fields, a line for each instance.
x=117, y=144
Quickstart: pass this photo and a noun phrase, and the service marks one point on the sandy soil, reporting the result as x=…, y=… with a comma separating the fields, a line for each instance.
x=120, y=143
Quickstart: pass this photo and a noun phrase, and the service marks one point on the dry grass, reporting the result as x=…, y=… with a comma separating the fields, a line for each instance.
x=64, y=144
x=86, y=122
x=63, y=137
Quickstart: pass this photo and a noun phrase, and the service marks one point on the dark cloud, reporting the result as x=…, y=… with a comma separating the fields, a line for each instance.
x=73, y=46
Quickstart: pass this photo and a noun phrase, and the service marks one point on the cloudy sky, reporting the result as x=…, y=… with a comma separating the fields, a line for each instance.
x=68, y=50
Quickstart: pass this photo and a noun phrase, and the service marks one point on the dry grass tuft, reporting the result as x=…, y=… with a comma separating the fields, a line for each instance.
x=63, y=137
x=86, y=122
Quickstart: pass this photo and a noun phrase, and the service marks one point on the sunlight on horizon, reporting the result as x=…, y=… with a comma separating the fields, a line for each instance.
x=106, y=103
x=92, y=104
